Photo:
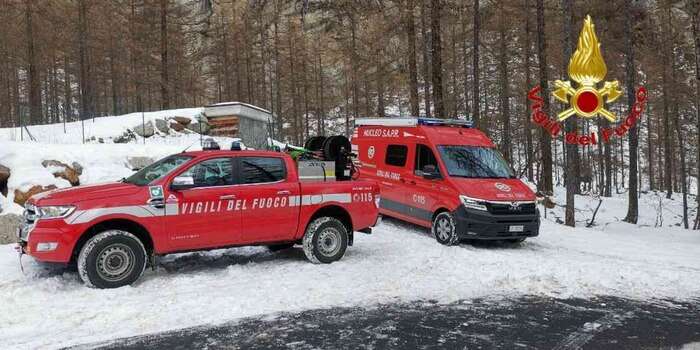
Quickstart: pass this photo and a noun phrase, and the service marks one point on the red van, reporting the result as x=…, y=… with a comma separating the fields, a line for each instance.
x=445, y=175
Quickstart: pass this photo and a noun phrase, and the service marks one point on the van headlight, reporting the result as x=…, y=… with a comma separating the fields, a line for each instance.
x=55, y=211
x=472, y=203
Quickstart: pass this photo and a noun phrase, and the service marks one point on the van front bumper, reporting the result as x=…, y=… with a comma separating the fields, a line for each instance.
x=478, y=224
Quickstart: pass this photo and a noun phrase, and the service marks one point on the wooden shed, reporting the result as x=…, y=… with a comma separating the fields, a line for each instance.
x=236, y=119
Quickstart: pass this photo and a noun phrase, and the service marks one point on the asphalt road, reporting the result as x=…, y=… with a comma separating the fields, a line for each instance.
x=526, y=323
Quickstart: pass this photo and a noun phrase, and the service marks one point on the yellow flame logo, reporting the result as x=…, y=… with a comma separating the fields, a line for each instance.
x=587, y=68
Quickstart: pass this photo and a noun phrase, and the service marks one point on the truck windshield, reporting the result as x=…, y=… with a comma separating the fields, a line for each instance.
x=474, y=162
x=157, y=170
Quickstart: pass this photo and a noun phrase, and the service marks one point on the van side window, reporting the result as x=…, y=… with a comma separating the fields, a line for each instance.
x=396, y=155
x=424, y=156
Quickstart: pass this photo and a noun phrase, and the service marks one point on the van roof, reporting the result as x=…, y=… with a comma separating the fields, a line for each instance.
x=437, y=131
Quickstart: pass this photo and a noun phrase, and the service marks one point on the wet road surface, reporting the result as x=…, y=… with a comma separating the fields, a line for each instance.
x=526, y=323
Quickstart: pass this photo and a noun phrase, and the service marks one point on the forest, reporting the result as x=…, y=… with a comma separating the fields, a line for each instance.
x=317, y=65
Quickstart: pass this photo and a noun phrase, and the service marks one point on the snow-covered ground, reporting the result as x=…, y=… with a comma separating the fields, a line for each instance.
x=48, y=308
x=44, y=309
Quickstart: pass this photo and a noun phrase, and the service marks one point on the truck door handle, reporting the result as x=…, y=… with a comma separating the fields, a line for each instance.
x=284, y=192
x=228, y=196
x=157, y=203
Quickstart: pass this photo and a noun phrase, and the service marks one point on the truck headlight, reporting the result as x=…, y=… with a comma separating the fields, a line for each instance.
x=55, y=211
x=472, y=203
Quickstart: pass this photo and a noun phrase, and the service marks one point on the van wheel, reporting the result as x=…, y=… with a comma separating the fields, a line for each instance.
x=112, y=259
x=444, y=229
x=325, y=240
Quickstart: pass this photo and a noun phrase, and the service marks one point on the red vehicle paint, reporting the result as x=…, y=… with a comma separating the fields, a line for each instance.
x=445, y=175
x=195, y=201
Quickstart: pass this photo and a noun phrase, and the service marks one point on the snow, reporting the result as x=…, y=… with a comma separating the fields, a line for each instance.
x=398, y=262
x=102, y=127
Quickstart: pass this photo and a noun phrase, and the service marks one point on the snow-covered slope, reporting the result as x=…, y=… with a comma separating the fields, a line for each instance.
x=102, y=161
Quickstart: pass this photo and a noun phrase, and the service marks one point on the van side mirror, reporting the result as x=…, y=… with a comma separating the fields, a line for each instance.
x=182, y=183
x=430, y=172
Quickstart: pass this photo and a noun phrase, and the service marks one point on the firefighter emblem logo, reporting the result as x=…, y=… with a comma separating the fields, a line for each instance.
x=370, y=152
x=587, y=69
x=502, y=187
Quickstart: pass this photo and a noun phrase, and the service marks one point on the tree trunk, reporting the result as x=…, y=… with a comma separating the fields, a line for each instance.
x=695, y=18
x=33, y=79
x=504, y=85
x=545, y=182
x=436, y=56
x=571, y=176
x=86, y=90
x=528, y=82
x=412, y=65
x=164, y=83
x=426, y=57
x=633, y=137
x=475, y=67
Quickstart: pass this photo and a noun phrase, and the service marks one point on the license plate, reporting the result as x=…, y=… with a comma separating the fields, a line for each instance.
x=516, y=228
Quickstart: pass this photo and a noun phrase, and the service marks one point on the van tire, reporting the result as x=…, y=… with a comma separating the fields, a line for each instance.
x=444, y=229
x=325, y=240
x=122, y=249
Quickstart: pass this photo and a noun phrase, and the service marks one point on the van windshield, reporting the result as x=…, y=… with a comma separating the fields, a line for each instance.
x=474, y=162
x=157, y=170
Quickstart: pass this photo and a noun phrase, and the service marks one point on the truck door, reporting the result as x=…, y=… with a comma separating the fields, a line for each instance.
x=204, y=215
x=271, y=199
x=425, y=194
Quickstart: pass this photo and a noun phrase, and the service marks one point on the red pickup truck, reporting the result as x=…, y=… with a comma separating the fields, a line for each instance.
x=195, y=201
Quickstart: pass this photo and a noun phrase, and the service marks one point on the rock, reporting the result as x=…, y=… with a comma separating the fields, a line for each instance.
x=137, y=163
x=182, y=120
x=549, y=203
x=196, y=127
x=64, y=171
x=78, y=168
x=176, y=126
x=126, y=137
x=162, y=126
x=8, y=228
x=144, y=130
x=22, y=196
x=4, y=175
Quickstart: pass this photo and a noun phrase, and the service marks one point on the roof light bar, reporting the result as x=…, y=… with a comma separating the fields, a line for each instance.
x=413, y=122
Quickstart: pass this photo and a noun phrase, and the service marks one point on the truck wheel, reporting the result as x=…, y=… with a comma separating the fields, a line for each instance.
x=444, y=229
x=278, y=247
x=325, y=240
x=112, y=259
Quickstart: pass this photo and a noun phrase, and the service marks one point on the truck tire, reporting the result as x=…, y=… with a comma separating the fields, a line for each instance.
x=112, y=259
x=444, y=229
x=325, y=240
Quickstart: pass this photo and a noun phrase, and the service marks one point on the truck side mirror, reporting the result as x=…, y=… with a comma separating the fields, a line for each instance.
x=182, y=183
x=430, y=172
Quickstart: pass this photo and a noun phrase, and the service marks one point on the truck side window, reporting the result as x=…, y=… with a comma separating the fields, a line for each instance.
x=424, y=156
x=211, y=172
x=396, y=155
x=261, y=169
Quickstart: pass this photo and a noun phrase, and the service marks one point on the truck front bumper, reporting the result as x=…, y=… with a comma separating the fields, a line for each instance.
x=478, y=224
x=37, y=240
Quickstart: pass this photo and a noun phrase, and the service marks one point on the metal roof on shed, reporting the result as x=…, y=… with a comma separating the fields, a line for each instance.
x=239, y=109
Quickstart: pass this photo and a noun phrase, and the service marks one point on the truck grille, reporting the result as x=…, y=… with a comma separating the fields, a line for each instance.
x=29, y=220
x=514, y=208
